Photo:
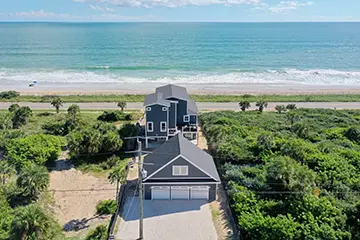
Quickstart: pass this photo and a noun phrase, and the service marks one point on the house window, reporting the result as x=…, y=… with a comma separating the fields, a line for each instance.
x=163, y=126
x=150, y=126
x=148, y=109
x=164, y=109
x=186, y=118
x=180, y=170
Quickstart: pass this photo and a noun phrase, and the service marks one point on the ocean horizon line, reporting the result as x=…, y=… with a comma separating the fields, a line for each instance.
x=235, y=22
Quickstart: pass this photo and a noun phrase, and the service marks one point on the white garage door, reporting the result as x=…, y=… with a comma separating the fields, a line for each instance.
x=199, y=192
x=180, y=192
x=160, y=193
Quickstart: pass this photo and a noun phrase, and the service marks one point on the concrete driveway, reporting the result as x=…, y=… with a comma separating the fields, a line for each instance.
x=165, y=220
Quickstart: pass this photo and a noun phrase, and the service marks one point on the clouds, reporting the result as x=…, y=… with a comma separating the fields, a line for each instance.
x=172, y=3
x=285, y=6
x=101, y=9
x=42, y=15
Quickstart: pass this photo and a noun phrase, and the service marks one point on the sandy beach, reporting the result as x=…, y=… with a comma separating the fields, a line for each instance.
x=144, y=88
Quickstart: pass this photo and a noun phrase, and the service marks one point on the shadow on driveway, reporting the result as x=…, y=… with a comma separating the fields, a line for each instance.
x=154, y=208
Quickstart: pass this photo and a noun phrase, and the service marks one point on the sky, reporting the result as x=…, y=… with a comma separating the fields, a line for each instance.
x=180, y=10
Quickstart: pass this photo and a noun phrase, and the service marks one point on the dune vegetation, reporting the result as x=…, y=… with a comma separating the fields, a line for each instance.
x=290, y=175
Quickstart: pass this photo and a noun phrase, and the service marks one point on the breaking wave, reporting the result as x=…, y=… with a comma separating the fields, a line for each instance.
x=271, y=76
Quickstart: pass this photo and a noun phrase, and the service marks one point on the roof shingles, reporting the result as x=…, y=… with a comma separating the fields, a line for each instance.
x=179, y=145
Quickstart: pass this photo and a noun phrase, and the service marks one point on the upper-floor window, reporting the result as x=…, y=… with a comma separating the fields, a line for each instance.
x=180, y=170
x=186, y=118
x=150, y=126
x=148, y=109
x=164, y=109
x=163, y=126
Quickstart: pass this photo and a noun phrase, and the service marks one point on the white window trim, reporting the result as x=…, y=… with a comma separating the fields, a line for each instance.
x=148, y=109
x=164, y=109
x=147, y=126
x=180, y=167
x=161, y=129
x=188, y=118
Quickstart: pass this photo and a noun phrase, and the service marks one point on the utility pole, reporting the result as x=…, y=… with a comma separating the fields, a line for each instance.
x=141, y=223
x=140, y=179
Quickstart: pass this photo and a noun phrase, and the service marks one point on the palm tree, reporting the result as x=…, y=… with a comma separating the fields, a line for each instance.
x=13, y=107
x=73, y=110
x=122, y=105
x=292, y=117
x=280, y=108
x=118, y=175
x=57, y=103
x=262, y=104
x=291, y=107
x=32, y=180
x=32, y=222
x=6, y=171
x=21, y=116
x=244, y=105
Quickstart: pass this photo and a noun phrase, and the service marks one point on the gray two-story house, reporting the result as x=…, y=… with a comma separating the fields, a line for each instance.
x=180, y=170
x=168, y=112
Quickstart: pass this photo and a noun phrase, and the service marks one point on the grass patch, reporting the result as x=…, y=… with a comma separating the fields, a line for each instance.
x=197, y=97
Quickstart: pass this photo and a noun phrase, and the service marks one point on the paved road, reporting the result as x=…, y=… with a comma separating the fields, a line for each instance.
x=168, y=220
x=201, y=105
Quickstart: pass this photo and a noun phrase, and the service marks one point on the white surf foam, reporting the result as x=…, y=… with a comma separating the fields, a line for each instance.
x=285, y=76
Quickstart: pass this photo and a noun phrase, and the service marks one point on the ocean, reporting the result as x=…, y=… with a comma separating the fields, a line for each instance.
x=196, y=53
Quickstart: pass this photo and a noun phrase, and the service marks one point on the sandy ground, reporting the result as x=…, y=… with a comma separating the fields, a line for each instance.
x=76, y=195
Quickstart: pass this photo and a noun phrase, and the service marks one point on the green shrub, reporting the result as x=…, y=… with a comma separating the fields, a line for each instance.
x=39, y=149
x=114, y=116
x=99, y=233
x=105, y=207
x=9, y=94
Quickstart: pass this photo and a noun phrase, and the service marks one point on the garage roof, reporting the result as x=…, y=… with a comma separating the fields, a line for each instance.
x=180, y=146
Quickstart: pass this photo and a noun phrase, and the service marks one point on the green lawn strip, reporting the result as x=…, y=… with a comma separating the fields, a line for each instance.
x=199, y=98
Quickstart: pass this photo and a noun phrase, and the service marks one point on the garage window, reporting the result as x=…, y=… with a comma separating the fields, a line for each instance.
x=180, y=170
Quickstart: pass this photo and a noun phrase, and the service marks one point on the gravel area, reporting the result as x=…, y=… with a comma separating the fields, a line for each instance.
x=168, y=219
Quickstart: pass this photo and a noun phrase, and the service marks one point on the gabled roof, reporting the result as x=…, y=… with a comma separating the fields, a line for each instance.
x=174, y=91
x=192, y=108
x=156, y=98
x=180, y=146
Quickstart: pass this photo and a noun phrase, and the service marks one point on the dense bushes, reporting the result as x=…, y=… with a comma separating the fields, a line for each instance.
x=114, y=116
x=100, y=138
x=290, y=176
x=39, y=149
x=99, y=233
x=9, y=94
x=106, y=207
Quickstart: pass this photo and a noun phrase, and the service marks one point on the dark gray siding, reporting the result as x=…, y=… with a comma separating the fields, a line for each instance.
x=193, y=119
x=156, y=115
x=212, y=190
x=182, y=110
x=172, y=115
x=167, y=171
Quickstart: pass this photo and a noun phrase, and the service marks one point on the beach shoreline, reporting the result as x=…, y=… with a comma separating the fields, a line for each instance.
x=193, y=88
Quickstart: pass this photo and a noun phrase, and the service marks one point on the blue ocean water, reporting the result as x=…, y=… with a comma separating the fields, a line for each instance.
x=305, y=53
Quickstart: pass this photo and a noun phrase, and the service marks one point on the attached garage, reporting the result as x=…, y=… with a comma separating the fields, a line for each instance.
x=160, y=193
x=180, y=192
x=199, y=192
